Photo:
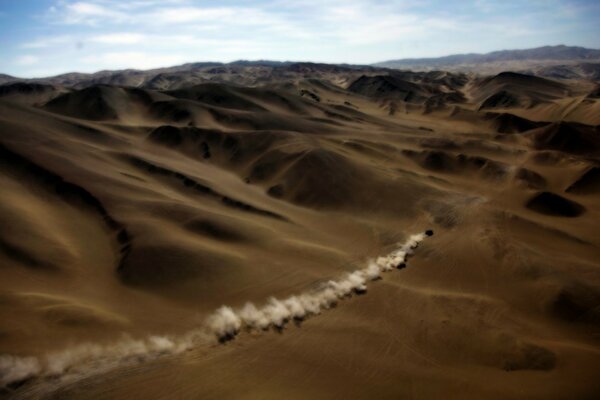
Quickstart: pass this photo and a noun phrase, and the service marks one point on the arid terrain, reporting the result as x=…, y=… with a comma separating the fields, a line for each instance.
x=557, y=62
x=133, y=206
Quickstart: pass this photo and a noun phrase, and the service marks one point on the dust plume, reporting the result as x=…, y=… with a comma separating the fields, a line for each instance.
x=82, y=358
x=225, y=323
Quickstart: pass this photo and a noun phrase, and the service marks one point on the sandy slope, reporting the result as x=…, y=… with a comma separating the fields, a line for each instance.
x=137, y=212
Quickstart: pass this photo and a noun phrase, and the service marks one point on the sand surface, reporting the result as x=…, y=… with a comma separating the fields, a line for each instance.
x=128, y=216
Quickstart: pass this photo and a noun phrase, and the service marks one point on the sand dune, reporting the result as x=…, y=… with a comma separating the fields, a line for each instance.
x=146, y=220
x=30, y=93
x=567, y=137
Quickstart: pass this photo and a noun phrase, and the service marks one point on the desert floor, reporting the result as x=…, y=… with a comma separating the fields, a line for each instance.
x=128, y=213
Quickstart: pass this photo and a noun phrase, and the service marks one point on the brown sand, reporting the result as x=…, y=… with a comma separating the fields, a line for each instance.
x=138, y=212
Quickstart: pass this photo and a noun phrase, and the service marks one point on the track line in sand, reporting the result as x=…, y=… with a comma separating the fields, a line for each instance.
x=84, y=360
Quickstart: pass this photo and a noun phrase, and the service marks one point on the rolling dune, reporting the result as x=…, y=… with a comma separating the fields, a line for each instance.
x=150, y=236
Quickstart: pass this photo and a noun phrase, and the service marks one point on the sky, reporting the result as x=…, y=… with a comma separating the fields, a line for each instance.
x=48, y=37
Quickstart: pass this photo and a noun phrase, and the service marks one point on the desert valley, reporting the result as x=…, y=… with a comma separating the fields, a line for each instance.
x=136, y=204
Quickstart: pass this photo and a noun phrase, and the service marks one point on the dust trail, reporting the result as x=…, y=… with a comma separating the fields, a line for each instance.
x=224, y=324
x=80, y=360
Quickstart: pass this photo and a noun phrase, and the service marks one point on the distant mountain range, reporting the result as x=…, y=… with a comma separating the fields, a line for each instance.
x=557, y=62
x=497, y=61
x=246, y=73
x=562, y=53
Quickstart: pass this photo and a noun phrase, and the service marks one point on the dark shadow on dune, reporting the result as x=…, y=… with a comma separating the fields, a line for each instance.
x=445, y=162
x=530, y=179
x=68, y=192
x=531, y=357
x=24, y=87
x=99, y=103
x=202, y=188
x=576, y=302
x=587, y=183
x=173, y=111
x=168, y=135
x=501, y=99
x=23, y=257
x=552, y=204
x=214, y=230
x=568, y=137
x=509, y=123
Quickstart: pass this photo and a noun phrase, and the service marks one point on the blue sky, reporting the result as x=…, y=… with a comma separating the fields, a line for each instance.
x=48, y=37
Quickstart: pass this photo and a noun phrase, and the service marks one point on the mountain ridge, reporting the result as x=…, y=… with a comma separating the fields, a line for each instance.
x=557, y=62
x=559, y=52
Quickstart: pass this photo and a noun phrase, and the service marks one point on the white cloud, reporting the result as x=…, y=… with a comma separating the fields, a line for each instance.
x=26, y=59
x=366, y=23
x=133, y=59
x=119, y=38
x=194, y=14
x=87, y=35
x=87, y=13
x=89, y=9
x=47, y=41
